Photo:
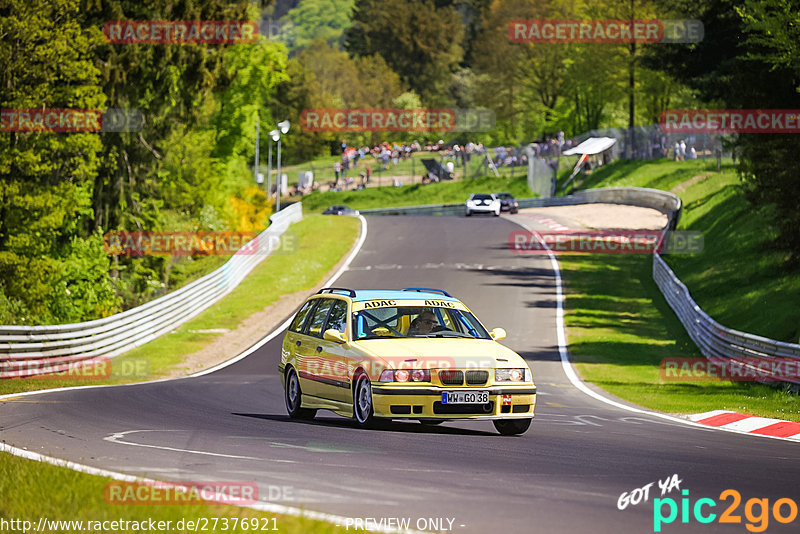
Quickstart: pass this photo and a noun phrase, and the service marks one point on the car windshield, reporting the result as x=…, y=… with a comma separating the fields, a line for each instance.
x=481, y=197
x=416, y=321
x=504, y=195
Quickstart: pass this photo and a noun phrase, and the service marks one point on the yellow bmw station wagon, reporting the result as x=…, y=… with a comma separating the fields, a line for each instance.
x=417, y=353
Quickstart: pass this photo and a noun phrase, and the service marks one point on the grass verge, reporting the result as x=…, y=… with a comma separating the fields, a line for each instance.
x=657, y=174
x=620, y=327
x=321, y=242
x=30, y=491
x=417, y=194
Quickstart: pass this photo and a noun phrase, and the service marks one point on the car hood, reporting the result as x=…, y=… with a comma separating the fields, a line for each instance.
x=438, y=353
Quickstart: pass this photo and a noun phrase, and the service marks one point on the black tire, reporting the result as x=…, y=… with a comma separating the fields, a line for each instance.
x=496, y=213
x=431, y=422
x=293, y=396
x=362, y=401
x=512, y=427
x=469, y=213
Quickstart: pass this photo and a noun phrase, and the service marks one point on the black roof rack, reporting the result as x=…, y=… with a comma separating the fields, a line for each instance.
x=349, y=292
x=428, y=290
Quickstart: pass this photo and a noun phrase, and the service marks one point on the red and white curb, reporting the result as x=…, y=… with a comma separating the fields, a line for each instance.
x=547, y=221
x=749, y=424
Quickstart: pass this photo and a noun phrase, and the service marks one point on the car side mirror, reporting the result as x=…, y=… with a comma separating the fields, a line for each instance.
x=497, y=334
x=331, y=334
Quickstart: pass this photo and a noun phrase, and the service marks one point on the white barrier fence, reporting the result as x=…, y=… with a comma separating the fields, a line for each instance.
x=719, y=344
x=33, y=350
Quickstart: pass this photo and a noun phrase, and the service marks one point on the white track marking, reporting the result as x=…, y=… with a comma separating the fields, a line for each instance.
x=569, y=370
x=117, y=438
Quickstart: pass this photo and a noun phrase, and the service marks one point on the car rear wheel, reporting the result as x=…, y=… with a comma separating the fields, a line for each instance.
x=294, y=397
x=512, y=427
x=362, y=401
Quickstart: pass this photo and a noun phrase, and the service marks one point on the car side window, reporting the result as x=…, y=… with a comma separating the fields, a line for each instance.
x=338, y=316
x=300, y=318
x=318, y=316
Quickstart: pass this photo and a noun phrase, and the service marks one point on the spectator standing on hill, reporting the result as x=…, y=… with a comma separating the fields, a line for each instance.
x=683, y=149
x=337, y=169
x=676, y=151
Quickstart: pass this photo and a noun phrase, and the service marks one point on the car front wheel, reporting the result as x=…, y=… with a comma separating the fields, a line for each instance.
x=512, y=427
x=468, y=213
x=294, y=397
x=362, y=401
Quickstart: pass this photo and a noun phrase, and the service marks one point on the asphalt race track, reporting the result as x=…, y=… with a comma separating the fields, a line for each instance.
x=564, y=475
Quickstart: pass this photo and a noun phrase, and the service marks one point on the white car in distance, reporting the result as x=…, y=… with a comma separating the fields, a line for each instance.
x=483, y=203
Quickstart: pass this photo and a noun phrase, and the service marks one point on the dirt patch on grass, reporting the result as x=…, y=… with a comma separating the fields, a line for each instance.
x=683, y=186
x=604, y=216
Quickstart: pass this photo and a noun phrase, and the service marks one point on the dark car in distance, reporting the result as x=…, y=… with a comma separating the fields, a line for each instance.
x=508, y=202
x=340, y=210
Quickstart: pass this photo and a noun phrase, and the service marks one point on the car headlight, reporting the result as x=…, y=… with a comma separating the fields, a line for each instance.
x=406, y=375
x=511, y=375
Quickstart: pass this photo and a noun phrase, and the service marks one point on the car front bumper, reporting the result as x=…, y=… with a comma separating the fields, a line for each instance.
x=505, y=402
x=482, y=209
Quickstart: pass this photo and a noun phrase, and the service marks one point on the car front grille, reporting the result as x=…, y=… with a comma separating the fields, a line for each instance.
x=451, y=377
x=477, y=378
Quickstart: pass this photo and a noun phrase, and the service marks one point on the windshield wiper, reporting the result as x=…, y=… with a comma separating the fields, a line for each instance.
x=445, y=334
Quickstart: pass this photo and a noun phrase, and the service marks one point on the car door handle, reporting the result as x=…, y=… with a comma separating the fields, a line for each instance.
x=319, y=349
x=298, y=343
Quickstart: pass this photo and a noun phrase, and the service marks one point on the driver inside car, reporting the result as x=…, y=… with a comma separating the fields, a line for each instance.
x=425, y=323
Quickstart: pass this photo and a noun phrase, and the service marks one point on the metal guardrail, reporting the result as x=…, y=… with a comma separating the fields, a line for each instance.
x=637, y=196
x=716, y=342
x=33, y=350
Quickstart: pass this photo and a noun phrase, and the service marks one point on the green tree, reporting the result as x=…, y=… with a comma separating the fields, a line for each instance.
x=746, y=61
x=318, y=19
x=52, y=266
x=420, y=40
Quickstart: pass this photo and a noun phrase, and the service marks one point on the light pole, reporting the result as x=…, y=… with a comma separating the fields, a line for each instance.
x=257, y=134
x=269, y=167
x=283, y=128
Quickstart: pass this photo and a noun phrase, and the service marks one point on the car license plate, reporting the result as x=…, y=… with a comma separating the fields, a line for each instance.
x=465, y=397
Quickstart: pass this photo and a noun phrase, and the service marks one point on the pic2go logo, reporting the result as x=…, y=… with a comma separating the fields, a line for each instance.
x=756, y=511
